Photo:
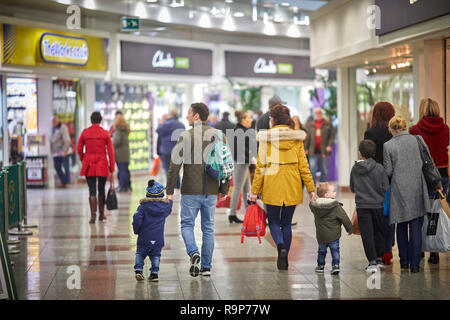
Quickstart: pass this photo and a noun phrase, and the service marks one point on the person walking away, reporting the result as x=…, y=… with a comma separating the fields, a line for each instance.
x=402, y=162
x=369, y=182
x=328, y=218
x=148, y=224
x=122, y=152
x=378, y=132
x=435, y=133
x=225, y=123
x=60, y=145
x=319, y=144
x=244, y=150
x=264, y=121
x=169, y=131
x=94, y=145
x=281, y=170
x=198, y=190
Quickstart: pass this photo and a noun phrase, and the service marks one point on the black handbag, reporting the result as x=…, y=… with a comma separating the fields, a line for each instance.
x=111, y=198
x=430, y=172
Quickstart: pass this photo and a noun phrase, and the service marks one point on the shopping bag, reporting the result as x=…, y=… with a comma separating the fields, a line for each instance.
x=111, y=198
x=440, y=241
x=386, y=202
x=156, y=165
x=444, y=204
x=226, y=203
x=355, y=223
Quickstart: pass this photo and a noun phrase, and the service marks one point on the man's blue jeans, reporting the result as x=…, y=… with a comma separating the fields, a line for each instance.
x=58, y=162
x=153, y=255
x=319, y=163
x=322, y=253
x=190, y=206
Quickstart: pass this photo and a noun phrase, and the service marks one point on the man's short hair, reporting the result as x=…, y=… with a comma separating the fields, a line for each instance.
x=201, y=109
x=118, y=112
x=225, y=115
x=367, y=148
x=96, y=117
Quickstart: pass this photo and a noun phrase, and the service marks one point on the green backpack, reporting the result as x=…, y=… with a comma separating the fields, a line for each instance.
x=219, y=163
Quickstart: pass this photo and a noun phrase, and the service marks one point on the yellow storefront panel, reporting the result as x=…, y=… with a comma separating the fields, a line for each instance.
x=28, y=46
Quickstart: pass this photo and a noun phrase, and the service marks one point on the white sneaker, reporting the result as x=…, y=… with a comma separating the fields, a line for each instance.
x=372, y=268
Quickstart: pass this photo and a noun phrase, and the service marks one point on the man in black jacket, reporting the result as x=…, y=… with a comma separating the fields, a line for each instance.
x=225, y=124
x=264, y=121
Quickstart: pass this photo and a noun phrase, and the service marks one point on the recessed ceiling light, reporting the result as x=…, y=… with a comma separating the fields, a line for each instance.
x=285, y=4
x=152, y=0
x=238, y=14
x=228, y=1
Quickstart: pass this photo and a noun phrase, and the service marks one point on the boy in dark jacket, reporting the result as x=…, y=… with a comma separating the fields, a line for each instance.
x=328, y=217
x=148, y=224
x=370, y=183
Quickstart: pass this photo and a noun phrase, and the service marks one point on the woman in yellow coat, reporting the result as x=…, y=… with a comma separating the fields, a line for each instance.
x=280, y=170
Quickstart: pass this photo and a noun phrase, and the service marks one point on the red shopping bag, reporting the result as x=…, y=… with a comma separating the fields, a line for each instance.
x=156, y=165
x=226, y=203
x=254, y=222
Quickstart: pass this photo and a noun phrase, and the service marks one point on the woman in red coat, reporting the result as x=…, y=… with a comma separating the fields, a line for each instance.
x=92, y=146
x=436, y=135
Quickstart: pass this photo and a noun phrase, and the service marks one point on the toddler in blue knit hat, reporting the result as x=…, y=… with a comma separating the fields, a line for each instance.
x=148, y=224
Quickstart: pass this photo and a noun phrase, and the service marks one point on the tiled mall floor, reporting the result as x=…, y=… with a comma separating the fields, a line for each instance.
x=104, y=253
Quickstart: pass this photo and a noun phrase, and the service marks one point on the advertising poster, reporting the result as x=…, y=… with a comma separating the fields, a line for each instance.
x=134, y=103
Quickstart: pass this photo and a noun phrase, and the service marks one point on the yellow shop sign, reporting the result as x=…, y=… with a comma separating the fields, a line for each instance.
x=62, y=49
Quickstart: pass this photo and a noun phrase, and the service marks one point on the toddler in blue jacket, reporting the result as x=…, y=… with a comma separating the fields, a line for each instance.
x=148, y=224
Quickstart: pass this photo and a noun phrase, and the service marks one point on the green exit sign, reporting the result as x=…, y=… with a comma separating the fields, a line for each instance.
x=129, y=24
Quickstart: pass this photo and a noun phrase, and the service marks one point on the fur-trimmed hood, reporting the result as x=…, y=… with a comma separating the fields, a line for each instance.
x=164, y=200
x=281, y=137
x=281, y=133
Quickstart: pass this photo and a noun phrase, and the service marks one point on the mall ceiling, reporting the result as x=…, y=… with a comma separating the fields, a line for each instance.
x=280, y=18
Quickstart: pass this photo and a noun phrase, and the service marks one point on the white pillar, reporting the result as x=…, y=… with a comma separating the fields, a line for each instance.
x=45, y=113
x=347, y=131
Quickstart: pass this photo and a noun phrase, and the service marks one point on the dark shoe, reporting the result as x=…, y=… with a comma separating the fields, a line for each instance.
x=93, y=206
x=422, y=255
x=320, y=269
x=404, y=267
x=415, y=270
x=205, y=272
x=153, y=277
x=282, y=262
x=101, y=208
x=434, y=258
x=335, y=269
x=194, y=270
x=139, y=275
x=293, y=223
x=234, y=219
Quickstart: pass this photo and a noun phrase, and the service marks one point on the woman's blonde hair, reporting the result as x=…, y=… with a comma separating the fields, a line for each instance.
x=397, y=123
x=428, y=108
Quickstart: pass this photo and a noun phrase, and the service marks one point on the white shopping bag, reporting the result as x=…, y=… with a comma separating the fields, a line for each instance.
x=441, y=241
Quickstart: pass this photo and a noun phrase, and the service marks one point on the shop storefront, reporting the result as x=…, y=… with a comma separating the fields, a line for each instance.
x=44, y=70
x=283, y=73
x=397, y=56
x=168, y=77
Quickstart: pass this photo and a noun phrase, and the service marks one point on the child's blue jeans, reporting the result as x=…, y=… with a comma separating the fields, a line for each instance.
x=154, y=255
x=334, y=248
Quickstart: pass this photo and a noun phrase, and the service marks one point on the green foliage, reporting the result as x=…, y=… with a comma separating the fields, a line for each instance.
x=250, y=97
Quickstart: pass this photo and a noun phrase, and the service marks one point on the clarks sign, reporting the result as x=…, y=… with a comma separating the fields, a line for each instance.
x=150, y=58
x=250, y=65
